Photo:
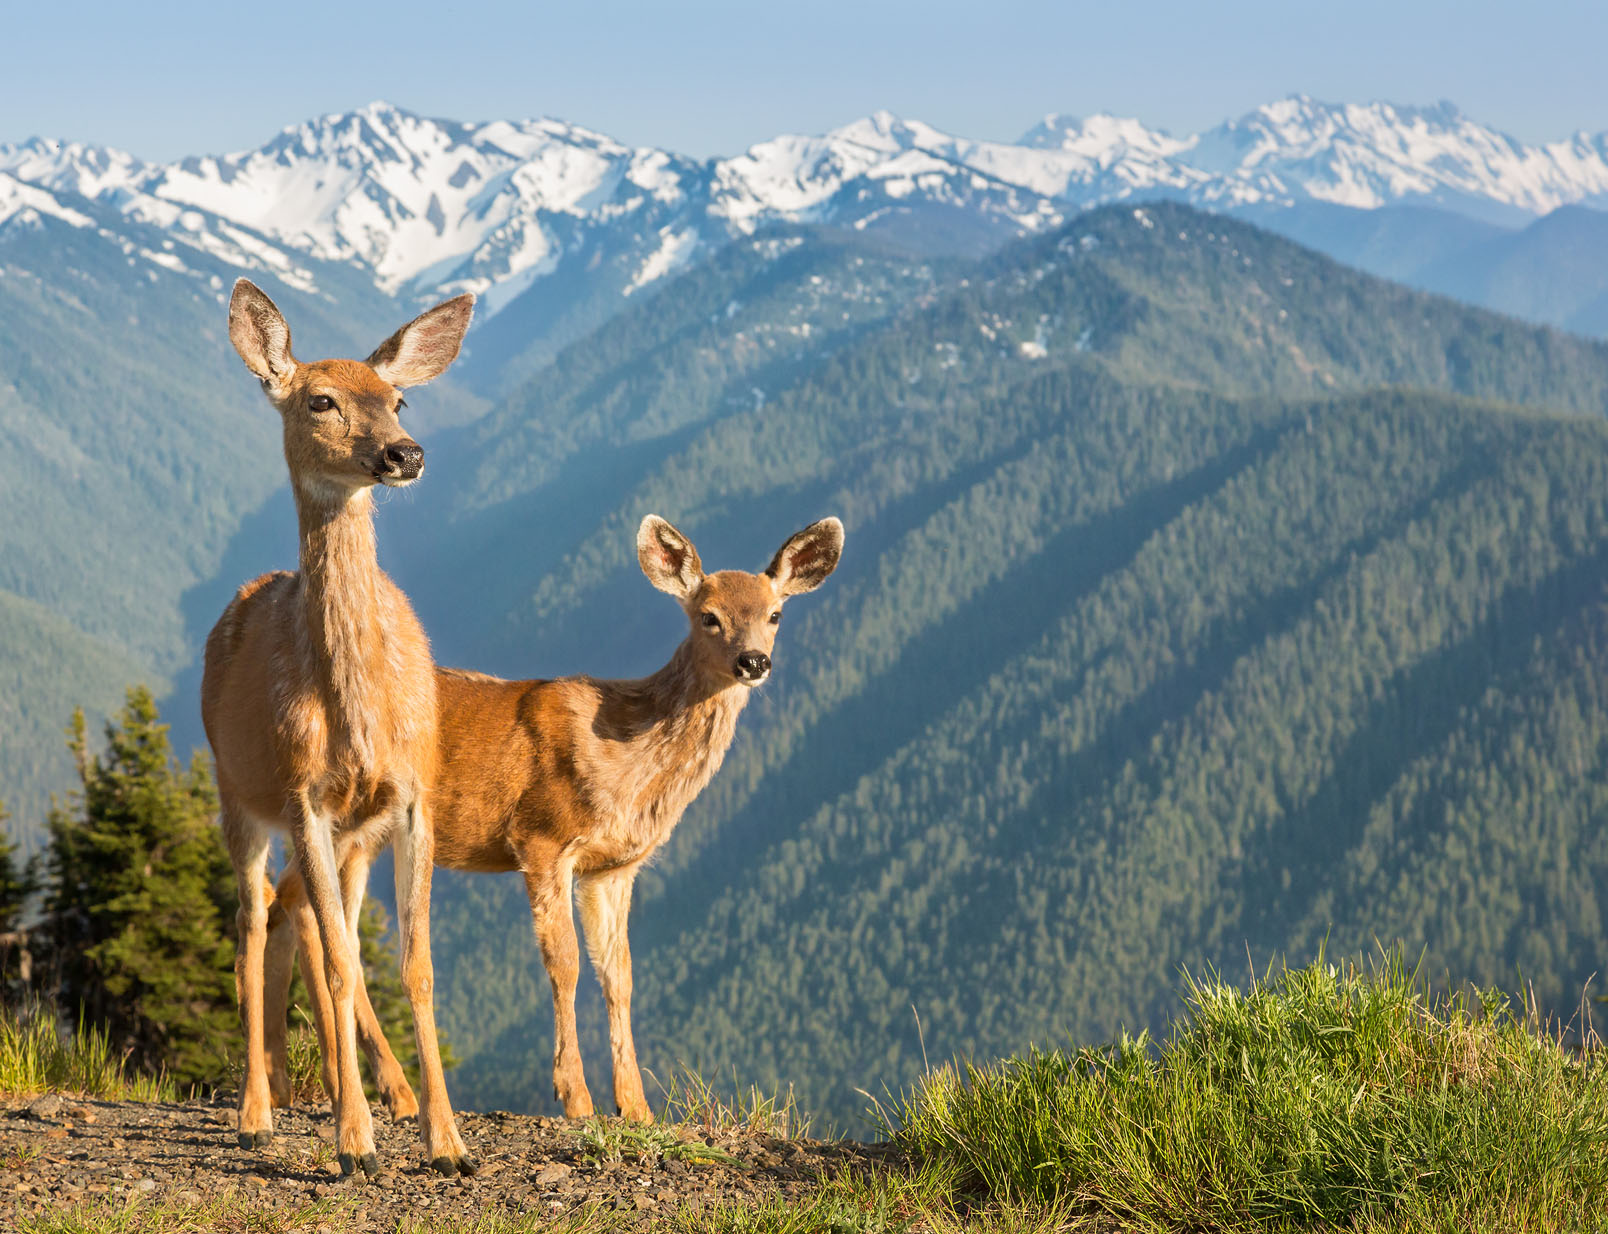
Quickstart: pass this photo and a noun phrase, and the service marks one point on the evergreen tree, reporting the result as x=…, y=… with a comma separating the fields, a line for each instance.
x=139, y=900
x=17, y=879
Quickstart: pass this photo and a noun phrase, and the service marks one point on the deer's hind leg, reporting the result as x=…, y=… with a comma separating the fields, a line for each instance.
x=279, y=961
x=247, y=841
x=605, y=904
x=548, y=885
x=414, y=847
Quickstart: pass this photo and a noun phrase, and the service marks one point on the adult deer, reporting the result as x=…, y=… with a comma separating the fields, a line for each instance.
x=319, y=700
x=580, y=780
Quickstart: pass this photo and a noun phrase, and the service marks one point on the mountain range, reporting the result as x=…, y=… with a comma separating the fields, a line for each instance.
x=427, y=207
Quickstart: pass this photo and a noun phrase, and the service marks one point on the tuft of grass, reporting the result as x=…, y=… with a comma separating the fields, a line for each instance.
x=231, y=1213
x=592, y=1219
x=1325, y=1096
x=35, y=1057
x=612, y=1140
x=689, y=1097
x=303, y=1061
x=18, y=1156
x=844, y=1209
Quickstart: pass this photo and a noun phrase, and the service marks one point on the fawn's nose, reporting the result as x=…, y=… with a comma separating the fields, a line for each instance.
x=752, y=666
x=407, y=457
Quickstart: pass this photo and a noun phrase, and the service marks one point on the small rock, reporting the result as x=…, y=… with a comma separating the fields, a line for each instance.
x=552, y=1173
x=47, y=1107
x=145, y=1184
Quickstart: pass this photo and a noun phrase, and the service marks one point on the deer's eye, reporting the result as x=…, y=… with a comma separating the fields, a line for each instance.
x=776, y=618
x=711, y=622
x=321, y=402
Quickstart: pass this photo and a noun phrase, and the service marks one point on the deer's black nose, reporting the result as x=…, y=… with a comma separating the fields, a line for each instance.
x=407, y=457
x=752, y=666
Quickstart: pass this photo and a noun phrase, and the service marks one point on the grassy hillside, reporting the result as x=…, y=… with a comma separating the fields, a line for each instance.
x=1186, y=606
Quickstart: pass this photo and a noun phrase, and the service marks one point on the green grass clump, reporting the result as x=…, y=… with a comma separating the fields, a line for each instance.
x=690, y=1097
x=1328, y=1095
x=230, y=1212
x=604, y=1140
x=35, y=1057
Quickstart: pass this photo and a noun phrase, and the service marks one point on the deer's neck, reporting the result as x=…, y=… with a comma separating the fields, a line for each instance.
x=340, y=599
x=684, y=727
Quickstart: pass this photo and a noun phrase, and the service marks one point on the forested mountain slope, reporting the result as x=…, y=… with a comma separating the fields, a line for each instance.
x=1191, y=604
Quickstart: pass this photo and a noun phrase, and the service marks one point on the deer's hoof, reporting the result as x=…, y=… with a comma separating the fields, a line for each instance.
x=402, y=1106
x=255, y=1139
x=369, y=1163
x=465, y=1165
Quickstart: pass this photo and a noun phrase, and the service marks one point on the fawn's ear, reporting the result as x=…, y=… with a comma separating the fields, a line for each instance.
x=668, y=558
x=803, y=563
x=258, y=331
x=421, y=350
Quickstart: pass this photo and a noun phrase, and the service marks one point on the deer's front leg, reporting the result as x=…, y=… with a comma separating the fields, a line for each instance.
x=605, y=905
x=395, y=1092
x=313, y=839
x=248, y=851
x=414, y=846
x=549, y=890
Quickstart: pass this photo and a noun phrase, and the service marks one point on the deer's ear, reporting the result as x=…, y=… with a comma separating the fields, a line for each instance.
x=258, y=331
x=803, y=563
x=421, y=350
x=668, y=558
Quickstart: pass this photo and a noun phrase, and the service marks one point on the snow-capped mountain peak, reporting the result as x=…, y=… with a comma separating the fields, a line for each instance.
x=427, y=206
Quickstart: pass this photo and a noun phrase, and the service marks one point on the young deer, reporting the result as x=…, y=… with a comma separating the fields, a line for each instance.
x=581, y=780
x=319, y=700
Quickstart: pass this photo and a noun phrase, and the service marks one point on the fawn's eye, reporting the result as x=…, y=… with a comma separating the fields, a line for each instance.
x=776, y=618
x=321, y=402
x=711, y=622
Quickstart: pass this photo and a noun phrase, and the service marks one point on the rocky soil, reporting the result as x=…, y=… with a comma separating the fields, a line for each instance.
x=57, y=1152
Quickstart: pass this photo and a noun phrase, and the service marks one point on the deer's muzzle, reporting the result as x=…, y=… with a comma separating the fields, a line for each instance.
x=753, y=667
x=403, y=463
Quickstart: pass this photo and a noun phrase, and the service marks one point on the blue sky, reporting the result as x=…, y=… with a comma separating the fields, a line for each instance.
x=707, y=78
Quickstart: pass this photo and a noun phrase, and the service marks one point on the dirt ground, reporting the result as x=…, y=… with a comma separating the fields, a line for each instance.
x=56, y=1151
